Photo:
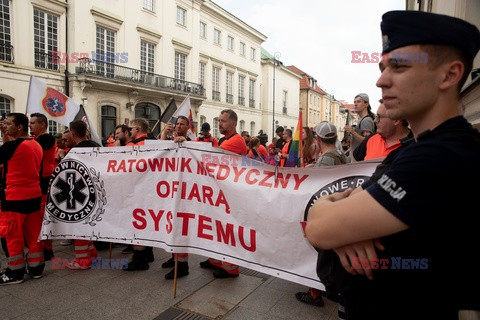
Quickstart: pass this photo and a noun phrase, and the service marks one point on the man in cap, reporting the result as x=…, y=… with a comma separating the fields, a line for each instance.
x=205, y=135
x=326, y=135
x=417, y=207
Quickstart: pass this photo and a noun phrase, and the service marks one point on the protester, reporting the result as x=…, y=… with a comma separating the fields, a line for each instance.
x=417, y=208
x=386, y=139
x=233, y=142
x=365, y=125
x=309, y=147
x=287, y=137
x=38, y=127
x=205, y=135
x=84, y=249
x=142, y=255
x=123, y=135
x=181, y=134
x=21, y=195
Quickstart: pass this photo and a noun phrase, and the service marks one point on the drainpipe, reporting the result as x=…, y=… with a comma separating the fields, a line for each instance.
x=67, y=87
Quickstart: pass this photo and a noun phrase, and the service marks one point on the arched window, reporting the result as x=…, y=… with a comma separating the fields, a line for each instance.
x=150, y=112
x=4, y=106
x=252, y=128
x=109, y=121
x=215, y=127
x=242, y=126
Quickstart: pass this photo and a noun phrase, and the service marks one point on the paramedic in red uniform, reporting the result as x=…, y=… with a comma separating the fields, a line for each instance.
x=21, y=195
x=233, y=142
x=38, y=127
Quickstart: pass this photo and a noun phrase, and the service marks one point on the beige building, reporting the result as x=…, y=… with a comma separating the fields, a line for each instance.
x=280, y=95
x=468, y=10
x=128, y=59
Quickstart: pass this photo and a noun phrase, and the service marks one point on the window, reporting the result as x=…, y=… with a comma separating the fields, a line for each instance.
x=180, y=62
x=242, y=49
x=105, y=45
x=252, y=54
x=148, y=4
x=5, y=32
x=52, y=127
x=5, y=107
x=251, y=93
x=241, y=90
x=45, y=29
x=151, y=113
x=201, y=73
x=216, y=36
x=203, y=119
x=252, y=128
x=181, y=16
x=230, y=43
x=284, y=101
x=109, y=120
x=147, y=57
x=229, y=87
x=216, y=83
x=215, y=127
x=203, y=30
x=242, y=126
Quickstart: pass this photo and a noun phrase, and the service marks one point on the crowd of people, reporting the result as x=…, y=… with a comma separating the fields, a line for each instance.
x=406, y=209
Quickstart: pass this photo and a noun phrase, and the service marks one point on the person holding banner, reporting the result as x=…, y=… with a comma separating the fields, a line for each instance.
x=38, y=127
x=419, y=207
x=180, y=130
x=142, y=255
x=20, y=193
x=84, y=249
x=233, y=142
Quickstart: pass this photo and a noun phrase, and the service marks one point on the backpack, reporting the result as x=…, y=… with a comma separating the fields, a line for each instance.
x=338, y=157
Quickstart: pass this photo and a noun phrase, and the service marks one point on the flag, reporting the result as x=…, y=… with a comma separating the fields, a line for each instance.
x=191, y=129
x=169, y=111
x=52, y=103
x=295, y=151
x=82, y=115
x=184, y=108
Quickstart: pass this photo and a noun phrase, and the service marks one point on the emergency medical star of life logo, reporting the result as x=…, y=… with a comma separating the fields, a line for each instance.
x=76, y=194
x=54, y=103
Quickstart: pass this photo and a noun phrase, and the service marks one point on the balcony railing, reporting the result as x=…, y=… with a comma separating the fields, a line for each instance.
x=229, y=98
x=241, y=101
x=216, y=95
x=47, y=61
x=252, y=103
x=6, y=52
x=112, y=71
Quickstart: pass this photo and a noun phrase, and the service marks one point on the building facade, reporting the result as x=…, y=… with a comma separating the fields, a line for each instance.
x=468, y=10
x=127, y=59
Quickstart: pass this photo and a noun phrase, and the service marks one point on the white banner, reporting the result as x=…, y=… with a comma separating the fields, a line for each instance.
x=194, y=198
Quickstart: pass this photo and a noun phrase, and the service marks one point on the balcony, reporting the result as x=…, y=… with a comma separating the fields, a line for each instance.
x=241, y=101
x=100, y=69
x=6, y=52
x=47, y=61
x=229, y=98
x=252, y=103
x=216, y=95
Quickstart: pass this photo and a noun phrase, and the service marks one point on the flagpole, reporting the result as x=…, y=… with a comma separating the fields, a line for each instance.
x=29, y=97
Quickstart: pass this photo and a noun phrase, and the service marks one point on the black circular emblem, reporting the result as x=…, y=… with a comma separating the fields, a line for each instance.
x=335, y=186
x=72, y=196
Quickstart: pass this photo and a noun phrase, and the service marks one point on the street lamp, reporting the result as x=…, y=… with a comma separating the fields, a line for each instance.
x=276, y=56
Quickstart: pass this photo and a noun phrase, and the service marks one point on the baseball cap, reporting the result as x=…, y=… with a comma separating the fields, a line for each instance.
x=363, y=96
x=326, y=130
x=205, y=127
